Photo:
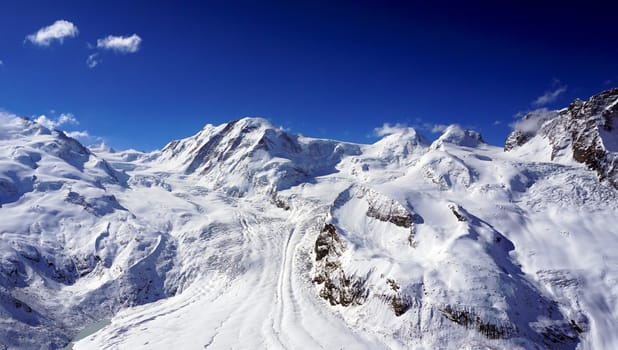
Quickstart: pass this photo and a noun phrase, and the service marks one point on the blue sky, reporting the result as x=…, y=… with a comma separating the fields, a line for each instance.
x=334, y=69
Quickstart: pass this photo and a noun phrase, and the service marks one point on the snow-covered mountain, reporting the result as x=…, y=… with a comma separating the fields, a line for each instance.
x=585, y=132
x=246, y=236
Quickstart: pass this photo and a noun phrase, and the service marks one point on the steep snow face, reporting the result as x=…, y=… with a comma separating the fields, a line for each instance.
x=585, y=132
x=249, y=154
x=246, y=236
x=398, y=147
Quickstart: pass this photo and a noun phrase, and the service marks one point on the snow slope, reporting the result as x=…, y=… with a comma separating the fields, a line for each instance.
x=245, y=236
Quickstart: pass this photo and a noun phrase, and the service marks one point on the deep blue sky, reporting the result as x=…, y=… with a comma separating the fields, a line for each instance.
x=332, y=69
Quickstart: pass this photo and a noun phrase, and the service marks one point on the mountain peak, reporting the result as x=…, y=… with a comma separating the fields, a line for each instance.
x=12, y=126
x=456, y=135
x=250, y=154
x=399, y=144
x=254, y=122
x=585, y=132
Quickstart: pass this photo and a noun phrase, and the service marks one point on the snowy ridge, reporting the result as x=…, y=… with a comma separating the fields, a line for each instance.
x=250, y=154
x=246, y=236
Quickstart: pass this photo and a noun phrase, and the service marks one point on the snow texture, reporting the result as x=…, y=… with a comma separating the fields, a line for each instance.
x=245, y=236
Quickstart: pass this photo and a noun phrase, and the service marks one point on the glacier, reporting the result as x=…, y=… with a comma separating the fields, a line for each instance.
x=246, y=236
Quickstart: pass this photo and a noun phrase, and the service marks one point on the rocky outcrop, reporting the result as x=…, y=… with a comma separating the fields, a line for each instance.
x=338, y=287
x=585, y=131
x=469, y=319
x=379, y=206
x=400, y=302
x=388, y=210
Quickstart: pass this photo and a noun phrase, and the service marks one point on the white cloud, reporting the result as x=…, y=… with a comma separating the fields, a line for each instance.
x=497, y=122
x=1, y=63
x=123, y=44
x=436, y=128
x=532, y=121
x=549, y=96
x=64, y=118
x=10, y=125
x=58, y=31
x=388, y=129
x=78, y=134
x=93, y=60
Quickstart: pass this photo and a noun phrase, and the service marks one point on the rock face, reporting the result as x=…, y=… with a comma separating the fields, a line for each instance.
x=585, y=131
x=344, y=288
x=338, y=288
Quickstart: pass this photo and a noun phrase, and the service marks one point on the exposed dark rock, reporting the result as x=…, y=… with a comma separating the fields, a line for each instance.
x=469, y=319
x=338, y=288
x=516, y=139
x=584, y=129
x=456, y=212
x=393, y=284
x=399, y=218
x=401, y=304
x=326, y=242
x=576, y=327
x=387, y=210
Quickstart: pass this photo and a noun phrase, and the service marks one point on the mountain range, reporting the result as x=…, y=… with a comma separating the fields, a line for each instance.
x=246, y=236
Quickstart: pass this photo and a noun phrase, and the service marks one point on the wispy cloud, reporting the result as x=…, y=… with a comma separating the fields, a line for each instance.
x=1, y=63
x=532, y=121
x=388, y=129
x=419, y=125
x=437, y=128
x=63, y=119
x=550, y=95
x=93, y=60
x=56, y=32
x=123, y=44
x=78, y=134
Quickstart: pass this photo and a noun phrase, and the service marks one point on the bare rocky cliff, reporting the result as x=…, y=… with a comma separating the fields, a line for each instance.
x=584, y=131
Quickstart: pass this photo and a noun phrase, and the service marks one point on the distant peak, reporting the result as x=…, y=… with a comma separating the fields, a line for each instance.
x=399, y=134
x=253, y=122
x=456, y=135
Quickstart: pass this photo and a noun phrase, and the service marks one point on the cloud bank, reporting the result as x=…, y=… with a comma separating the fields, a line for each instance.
x=122, y=44
x=56, y=32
